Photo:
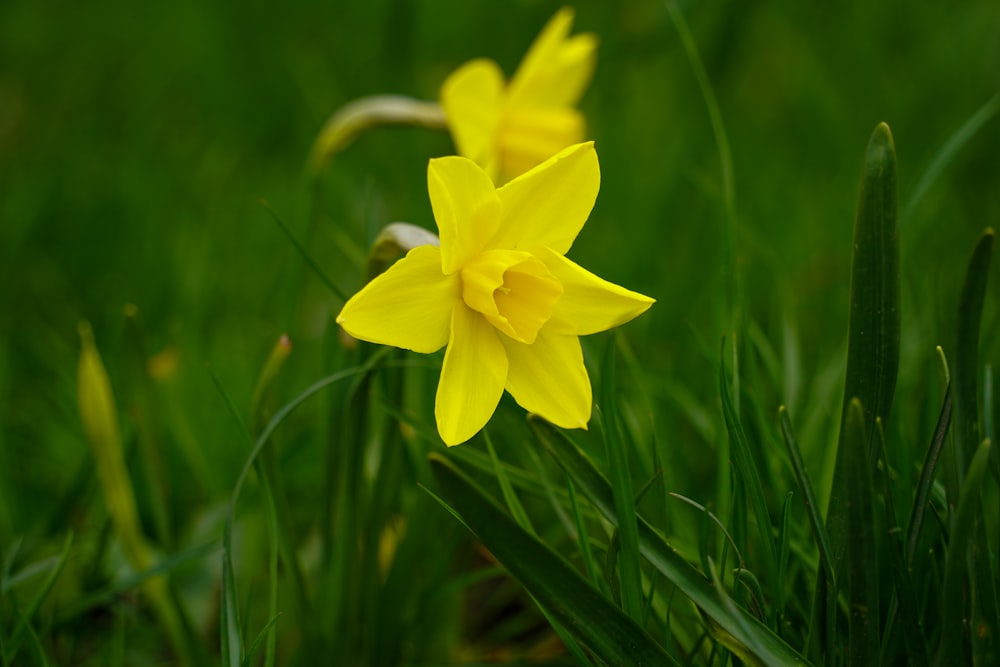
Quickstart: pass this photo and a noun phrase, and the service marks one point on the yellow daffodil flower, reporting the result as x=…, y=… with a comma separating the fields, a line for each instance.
x=507, y=130
x=499, y=293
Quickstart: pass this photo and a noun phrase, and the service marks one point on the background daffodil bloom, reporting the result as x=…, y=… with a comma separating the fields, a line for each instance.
x=509, y=129
x=499, y=293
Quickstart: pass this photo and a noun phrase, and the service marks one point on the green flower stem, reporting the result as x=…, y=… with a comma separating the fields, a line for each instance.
x=355, y=117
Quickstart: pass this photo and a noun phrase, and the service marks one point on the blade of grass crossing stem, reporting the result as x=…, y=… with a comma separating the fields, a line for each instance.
x=306, y=257
x=948, y=151
x=861, y=560
x=747, y=470
x=582, y=535
x=272, y=520
x=513, y=504
x=24, y=622
x=622, y=489
x=954, y=611
x=756, y=637
x=873, y=325
x=561, y=590
x=966, y=369
x=231, y=641
x=808, y=497
x=822, y=625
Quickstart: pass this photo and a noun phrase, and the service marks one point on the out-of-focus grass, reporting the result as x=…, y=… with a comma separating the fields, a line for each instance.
x=136, y=140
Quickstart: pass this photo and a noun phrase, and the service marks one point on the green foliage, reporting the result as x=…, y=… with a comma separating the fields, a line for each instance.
x=295, y=500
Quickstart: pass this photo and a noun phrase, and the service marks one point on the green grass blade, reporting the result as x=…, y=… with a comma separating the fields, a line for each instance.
x=746, y=468
x=752, y=635
x=24, y=622
x=582, y=535
x=104, y=595
x=861, y=559
x=948, y=151
x=306, y=257
x=622, y=490
x=965, y=372
x=561, y=590
x=784, y=540
x=808, y=497
x=954, y=610
x=926, y=481
x=906, y=598
x=507, y=489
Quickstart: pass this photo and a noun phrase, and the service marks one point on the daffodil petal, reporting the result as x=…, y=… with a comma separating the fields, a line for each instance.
x=548, y=378
x=472, y=99
x=557, y=68
x=549, y=204
x=529, y=136
x=588, y=304
x=465, y=206
x=408, y=306
x=472, y=378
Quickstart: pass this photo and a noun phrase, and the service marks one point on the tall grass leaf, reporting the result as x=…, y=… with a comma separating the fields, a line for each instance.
x=582, y=535
x=808, y=497
x=622, y=487
x=746, y=468
x=965, y=371
x=861, y=559
x=230, y=633
x=99, y=415
x=784, y=540
x=955, y=612
x=561, y=590
x=748, y=631
x=948, y=151
x=265, y=632
x=306, y=257
x=231, y=642
x=873, y=328
x=823, y=620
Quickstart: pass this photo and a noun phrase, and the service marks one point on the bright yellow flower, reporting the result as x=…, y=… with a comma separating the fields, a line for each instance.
x=507, y=130
x=499, y=293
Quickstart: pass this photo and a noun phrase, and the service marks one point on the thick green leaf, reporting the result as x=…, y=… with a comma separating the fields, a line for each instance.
x=861, y=560
x=873, y=332
x=966, y=368
x=738, y=630
x=560, y=589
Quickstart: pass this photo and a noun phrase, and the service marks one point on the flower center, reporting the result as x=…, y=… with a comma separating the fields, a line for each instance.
x=513, y=290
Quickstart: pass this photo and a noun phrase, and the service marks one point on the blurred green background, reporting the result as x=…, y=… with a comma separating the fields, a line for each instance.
x=136, y=140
